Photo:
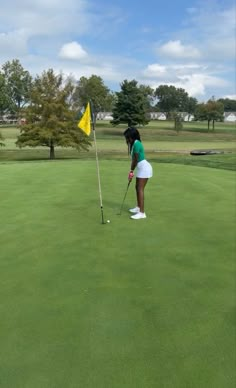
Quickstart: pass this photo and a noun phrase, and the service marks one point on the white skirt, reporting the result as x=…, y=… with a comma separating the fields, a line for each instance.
x=144, y=169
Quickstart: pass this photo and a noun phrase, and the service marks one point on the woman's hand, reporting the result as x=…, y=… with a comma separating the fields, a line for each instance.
x=130, y=176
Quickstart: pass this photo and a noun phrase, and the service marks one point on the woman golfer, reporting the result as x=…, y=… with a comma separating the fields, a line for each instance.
x=144, y=170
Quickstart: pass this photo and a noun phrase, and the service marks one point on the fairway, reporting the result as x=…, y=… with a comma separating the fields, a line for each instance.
x=130, y=304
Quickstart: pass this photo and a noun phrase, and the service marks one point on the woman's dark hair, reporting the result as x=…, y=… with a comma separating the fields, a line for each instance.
x=131, y=133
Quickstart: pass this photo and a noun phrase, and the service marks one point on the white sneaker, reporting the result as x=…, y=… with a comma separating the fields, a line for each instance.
x=138, y=216
x=134, y=210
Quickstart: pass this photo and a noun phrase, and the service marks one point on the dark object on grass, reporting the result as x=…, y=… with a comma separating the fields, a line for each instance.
x=206, y=152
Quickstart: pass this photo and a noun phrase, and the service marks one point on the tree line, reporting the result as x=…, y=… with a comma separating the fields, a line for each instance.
x=50, y=103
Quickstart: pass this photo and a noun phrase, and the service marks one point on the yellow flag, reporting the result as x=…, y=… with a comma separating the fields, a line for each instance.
x=85, y=121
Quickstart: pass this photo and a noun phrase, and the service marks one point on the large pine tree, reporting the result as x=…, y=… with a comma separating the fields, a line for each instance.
x=131, y=105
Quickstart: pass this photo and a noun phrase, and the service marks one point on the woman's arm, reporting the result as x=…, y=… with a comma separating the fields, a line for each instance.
x=134, y=161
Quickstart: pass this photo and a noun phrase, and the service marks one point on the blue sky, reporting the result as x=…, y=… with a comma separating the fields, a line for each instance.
x=189, y=44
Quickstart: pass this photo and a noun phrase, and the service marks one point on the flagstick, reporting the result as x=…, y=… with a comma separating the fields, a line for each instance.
x=98, y=172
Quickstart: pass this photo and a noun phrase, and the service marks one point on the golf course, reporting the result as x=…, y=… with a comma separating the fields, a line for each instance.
x=144, y=303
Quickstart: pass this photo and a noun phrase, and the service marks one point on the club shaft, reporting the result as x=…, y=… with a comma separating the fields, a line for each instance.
x=124, y=197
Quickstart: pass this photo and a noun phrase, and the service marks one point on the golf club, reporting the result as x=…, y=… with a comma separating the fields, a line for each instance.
x=124, y=198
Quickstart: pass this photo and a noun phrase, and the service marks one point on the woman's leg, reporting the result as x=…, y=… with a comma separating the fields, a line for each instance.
x=140, y=185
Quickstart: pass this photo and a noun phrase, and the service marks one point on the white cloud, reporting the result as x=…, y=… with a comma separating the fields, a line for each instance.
x=51, y=34
x=155, y=70
x=47, y=17
x=186, y=66
x=212, y=29
x=220, y=48
x=196, y=84
x=175, y=49
x=230, y=96
x=207, y=37
x=102, y=68
x=13, y=43
x=73, y=51
x=194, y=78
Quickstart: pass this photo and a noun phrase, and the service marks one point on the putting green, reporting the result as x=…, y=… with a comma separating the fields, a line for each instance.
x=141, y=304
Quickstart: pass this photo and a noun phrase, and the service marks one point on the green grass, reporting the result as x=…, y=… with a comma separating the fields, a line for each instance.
x=136, y=304
x=162, y=144
x=130, y=304
x=226, y=161
x=194, y=126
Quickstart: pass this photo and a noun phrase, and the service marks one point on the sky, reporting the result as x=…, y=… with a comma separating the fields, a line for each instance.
x=189, y=44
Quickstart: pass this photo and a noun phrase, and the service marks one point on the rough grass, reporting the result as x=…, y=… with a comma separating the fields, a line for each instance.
x=162, y=144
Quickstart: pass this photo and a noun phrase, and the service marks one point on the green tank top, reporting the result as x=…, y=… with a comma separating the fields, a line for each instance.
x=138, y=149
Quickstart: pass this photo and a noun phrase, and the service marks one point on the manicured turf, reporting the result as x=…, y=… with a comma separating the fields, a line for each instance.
x=131, y=304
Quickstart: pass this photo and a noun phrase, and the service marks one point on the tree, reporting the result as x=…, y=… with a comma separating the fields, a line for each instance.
x=178, y=121
x=109, y=102
x=131, y=105
x=171, y=99
x=50, y=121
x=167, y=100
x=93, y=89
x=191, y=105
x=1, y=138
x=215, y=111
x=148, y=93
x=210, y=111
x=201, y=113
x=4, y=98
x=18, y=83
x=229, y=104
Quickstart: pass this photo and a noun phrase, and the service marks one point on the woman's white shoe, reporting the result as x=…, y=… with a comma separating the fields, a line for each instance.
x=134, y=210
x=138, y=216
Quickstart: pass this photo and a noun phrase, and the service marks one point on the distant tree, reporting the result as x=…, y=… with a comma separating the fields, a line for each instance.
x=18, y=83
x=215, y=111
x=191, y=105
x=50, y=121
x=131, y=105
x=171, y=99
x=167, y=99
x=4, y=97
x=1, y=142
x=178, y=121
x=148, y=93
x=201, y=112
x=109, y=102
x=210, y=111
x=229, y=104
x=93, y=89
